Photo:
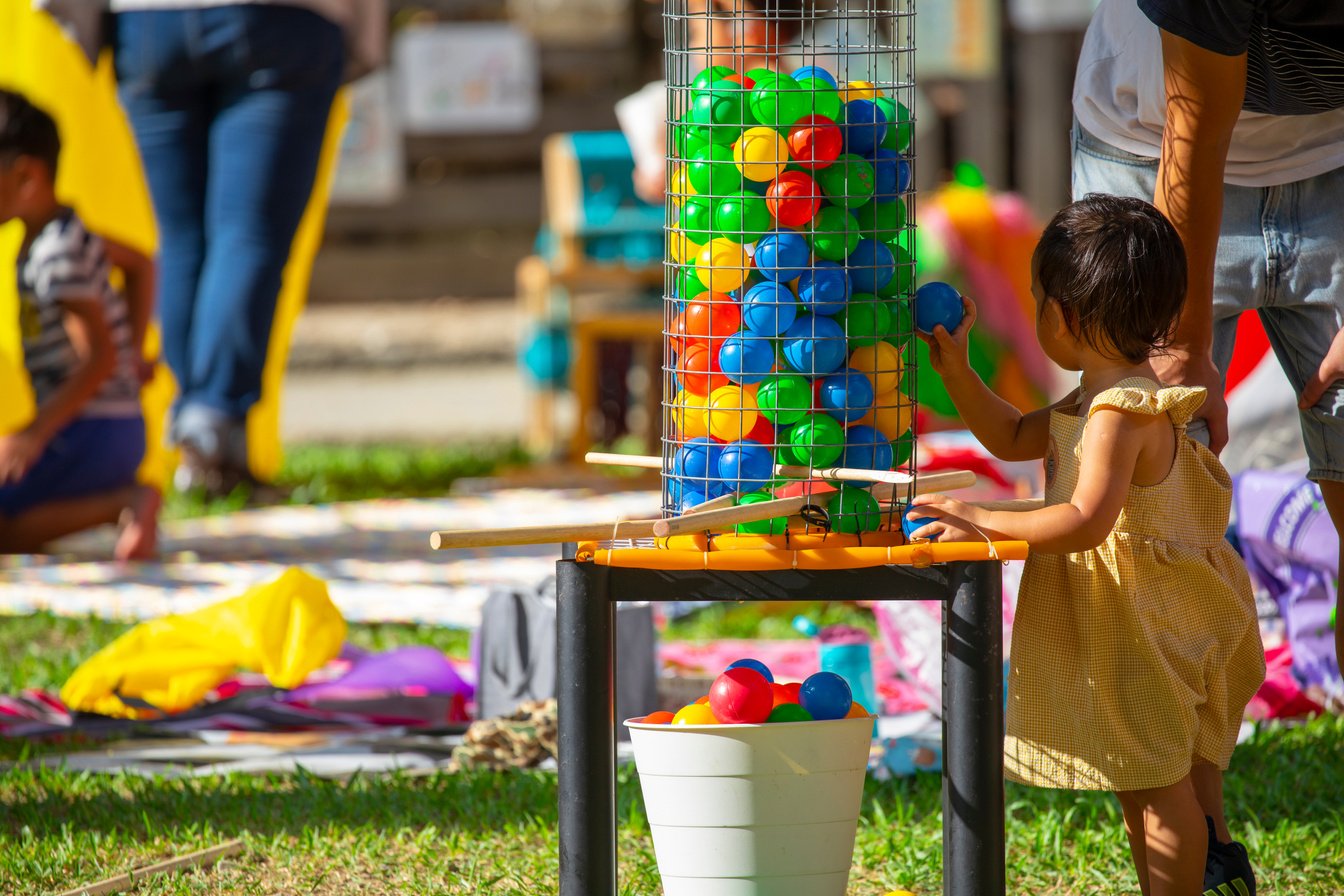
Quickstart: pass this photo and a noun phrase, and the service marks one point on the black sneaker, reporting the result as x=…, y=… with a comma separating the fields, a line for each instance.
x=1227, y=870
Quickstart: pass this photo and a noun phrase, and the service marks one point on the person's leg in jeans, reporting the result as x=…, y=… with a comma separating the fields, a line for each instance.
x=273, y=99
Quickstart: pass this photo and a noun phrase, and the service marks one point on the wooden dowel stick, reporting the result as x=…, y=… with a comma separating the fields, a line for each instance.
x=121, y=882
x=731, y=516
x=943, y=481
x=554, y=534
x=829, y=474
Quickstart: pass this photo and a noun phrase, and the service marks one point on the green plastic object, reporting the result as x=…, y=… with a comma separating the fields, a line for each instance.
x=784, y=399
x=903, y=274
x=882, y=220
x=709, y=75
x=853, y=510
x=816, y=441
x=833, y=233
x=865, y=319
x=897, y=138
x=773, y=526
x=823, y=98
x=848, y=181
x=689, y=284
x=697, y=219
x=902, y=322
x=712, y=171
x=779, y=102
x=789, y=712
x=742, y=217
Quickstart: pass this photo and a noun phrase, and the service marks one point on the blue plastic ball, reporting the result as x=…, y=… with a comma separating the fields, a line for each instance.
x=865, y=126
x=871, y=266
x=746, y=359
x=813, y=71
x=781, y=255
x=866, y=448
x=847, y=395
x=814, y=345
x=937, y=303
x=768, y=308
x=891, y=175
x=824, y=288
x=750, y=663
x=826, y=696
x=910, y=526
x=690, y=497
x=697, y=459
x=745, y=466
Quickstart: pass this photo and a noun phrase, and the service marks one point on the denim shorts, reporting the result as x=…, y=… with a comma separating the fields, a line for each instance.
x=90, y=456
x=1280, y=254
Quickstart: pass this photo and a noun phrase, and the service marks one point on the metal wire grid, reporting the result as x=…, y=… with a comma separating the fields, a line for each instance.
x=789, y=272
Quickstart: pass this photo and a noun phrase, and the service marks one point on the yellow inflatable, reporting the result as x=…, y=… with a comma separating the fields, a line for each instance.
x=284, y=629
x=100, y=176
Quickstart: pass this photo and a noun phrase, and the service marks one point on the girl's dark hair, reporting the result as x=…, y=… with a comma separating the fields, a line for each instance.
x=26, y=130
x=1117, y=268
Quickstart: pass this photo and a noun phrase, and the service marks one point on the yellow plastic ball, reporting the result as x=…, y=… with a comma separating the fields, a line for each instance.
x=732, y=412
x=680, y=247
x=722, y=265
x=761, y=153
x=898, y=893
x=679, y=187
x=891, y=415
x=881, y=363
x=859, y=90
x=688, y=415
x=695, y=714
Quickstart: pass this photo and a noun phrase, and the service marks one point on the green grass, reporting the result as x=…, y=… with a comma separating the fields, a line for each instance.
x=488, y=832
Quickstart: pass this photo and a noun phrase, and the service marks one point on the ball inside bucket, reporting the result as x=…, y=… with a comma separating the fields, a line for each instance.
x=753, y=810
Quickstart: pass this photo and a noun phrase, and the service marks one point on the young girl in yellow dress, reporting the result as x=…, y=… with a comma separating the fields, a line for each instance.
x=1135, y=645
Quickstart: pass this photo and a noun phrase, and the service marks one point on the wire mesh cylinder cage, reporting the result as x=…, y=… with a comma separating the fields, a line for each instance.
x=789, y=265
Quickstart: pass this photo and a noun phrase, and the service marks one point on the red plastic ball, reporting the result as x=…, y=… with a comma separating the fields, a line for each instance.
x=793, y=198
x=815, y=141
x=658, y=718
x=763, y=431
x=782, y=693
x=710, y=319
x=741, y=696
x=698, y=369
x=746, y=82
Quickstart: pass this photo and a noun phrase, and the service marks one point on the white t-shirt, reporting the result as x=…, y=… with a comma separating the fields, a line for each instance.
x=1119, y=97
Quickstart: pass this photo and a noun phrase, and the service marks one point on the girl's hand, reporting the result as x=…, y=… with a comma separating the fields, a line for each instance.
x=954, y=520
x=18, y=453
x=947, y=351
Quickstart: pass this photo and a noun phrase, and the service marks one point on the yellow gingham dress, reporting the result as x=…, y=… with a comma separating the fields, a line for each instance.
x=1134, y=658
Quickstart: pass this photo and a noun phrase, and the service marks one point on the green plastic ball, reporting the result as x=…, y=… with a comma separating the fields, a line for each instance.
x=865, y=319
x=789, y=712
x=687, y=138
x=848, y=181
x=853, y=510
x=902, y=322
x=689, y=284
x=902, y=448
x=783, y=399
x=709, y=75
x=719, y=107
x=822, y=97
x=742, y=217
x=760, y=75
x=779, y=102
x=882, y=221
x=713, y=172
x=833, y=233
x=903, y=275
x=773, y=526
x=697, y=219
x=897, y=138
x=816, y=441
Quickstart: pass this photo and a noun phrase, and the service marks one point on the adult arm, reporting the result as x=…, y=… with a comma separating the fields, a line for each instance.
x=1204, y=95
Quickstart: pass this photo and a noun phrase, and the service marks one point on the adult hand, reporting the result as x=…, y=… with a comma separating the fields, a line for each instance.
x=1330, y=372
x=18, y=452
x=1177, y=368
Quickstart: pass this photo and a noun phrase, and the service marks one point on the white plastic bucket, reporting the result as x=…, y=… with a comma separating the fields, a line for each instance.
x=753, y=810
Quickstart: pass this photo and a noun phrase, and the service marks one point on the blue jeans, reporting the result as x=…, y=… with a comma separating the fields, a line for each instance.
x=1279, y=254
x=229, y=107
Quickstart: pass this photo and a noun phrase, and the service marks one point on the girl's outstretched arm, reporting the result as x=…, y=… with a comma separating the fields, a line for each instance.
x=1111, y=452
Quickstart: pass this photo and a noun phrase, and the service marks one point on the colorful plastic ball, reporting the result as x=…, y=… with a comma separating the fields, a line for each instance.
x=898, y=119
x=825, y=99
x=697, y=459
x=779, y=102
x=741, y=217
x=871, y=266
x=661, y=717
x=679, y=185
x=865, y=319
x=722, y=265
x=686, y=496
x=904, y=274
x=910, y=527
x=741, y=696
x=696, y=221
x=688, y=138
x=867, y=449
x=881, y=220
x=689, y=414
x=815, y=141
x=708, y=76
x=776, y=525
x=763, y=431
x=783, y=694
x=937, y=303
x=824, y=288
x=698, y=369
x=784, y=398
x=902, y=322
x=880, y=362
x=718, y=109
x=793, y=198
x=768, y=308
x=695, y=714
x=848, y=182
x=833, y=233
x=687, y=283
x=815, y=441
x=892, y=414
x=813, y=71
x=891, y=176
x=712, y=172
x=761, y=154
x=825, y=695
x=857, y=711
x=743, y=80
x=781, y=255
x=865, y=126
x=753, y=663
x=788, y=712
x=681, y=248
x=746, y=359
x=814, y=345
x=731, y=413
x=710, y=319
x=846, y=395
x=762, y=74
x=859, y=90
x=745, y=466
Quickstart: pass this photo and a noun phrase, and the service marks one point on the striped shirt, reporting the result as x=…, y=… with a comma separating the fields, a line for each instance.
x=66, y=263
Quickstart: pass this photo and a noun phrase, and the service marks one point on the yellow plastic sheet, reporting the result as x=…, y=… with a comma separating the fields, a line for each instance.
x=284, y=629
x=101, y=177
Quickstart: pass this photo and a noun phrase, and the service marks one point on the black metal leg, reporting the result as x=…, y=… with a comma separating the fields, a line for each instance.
x=973, y=835
x=585, y=690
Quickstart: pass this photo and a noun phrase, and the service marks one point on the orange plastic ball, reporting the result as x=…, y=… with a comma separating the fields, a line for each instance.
x=661, y=717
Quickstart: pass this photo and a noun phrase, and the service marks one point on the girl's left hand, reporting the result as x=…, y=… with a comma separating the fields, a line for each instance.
x=953, y=520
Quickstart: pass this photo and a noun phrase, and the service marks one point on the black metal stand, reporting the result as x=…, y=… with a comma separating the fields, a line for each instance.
x=973, y=827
